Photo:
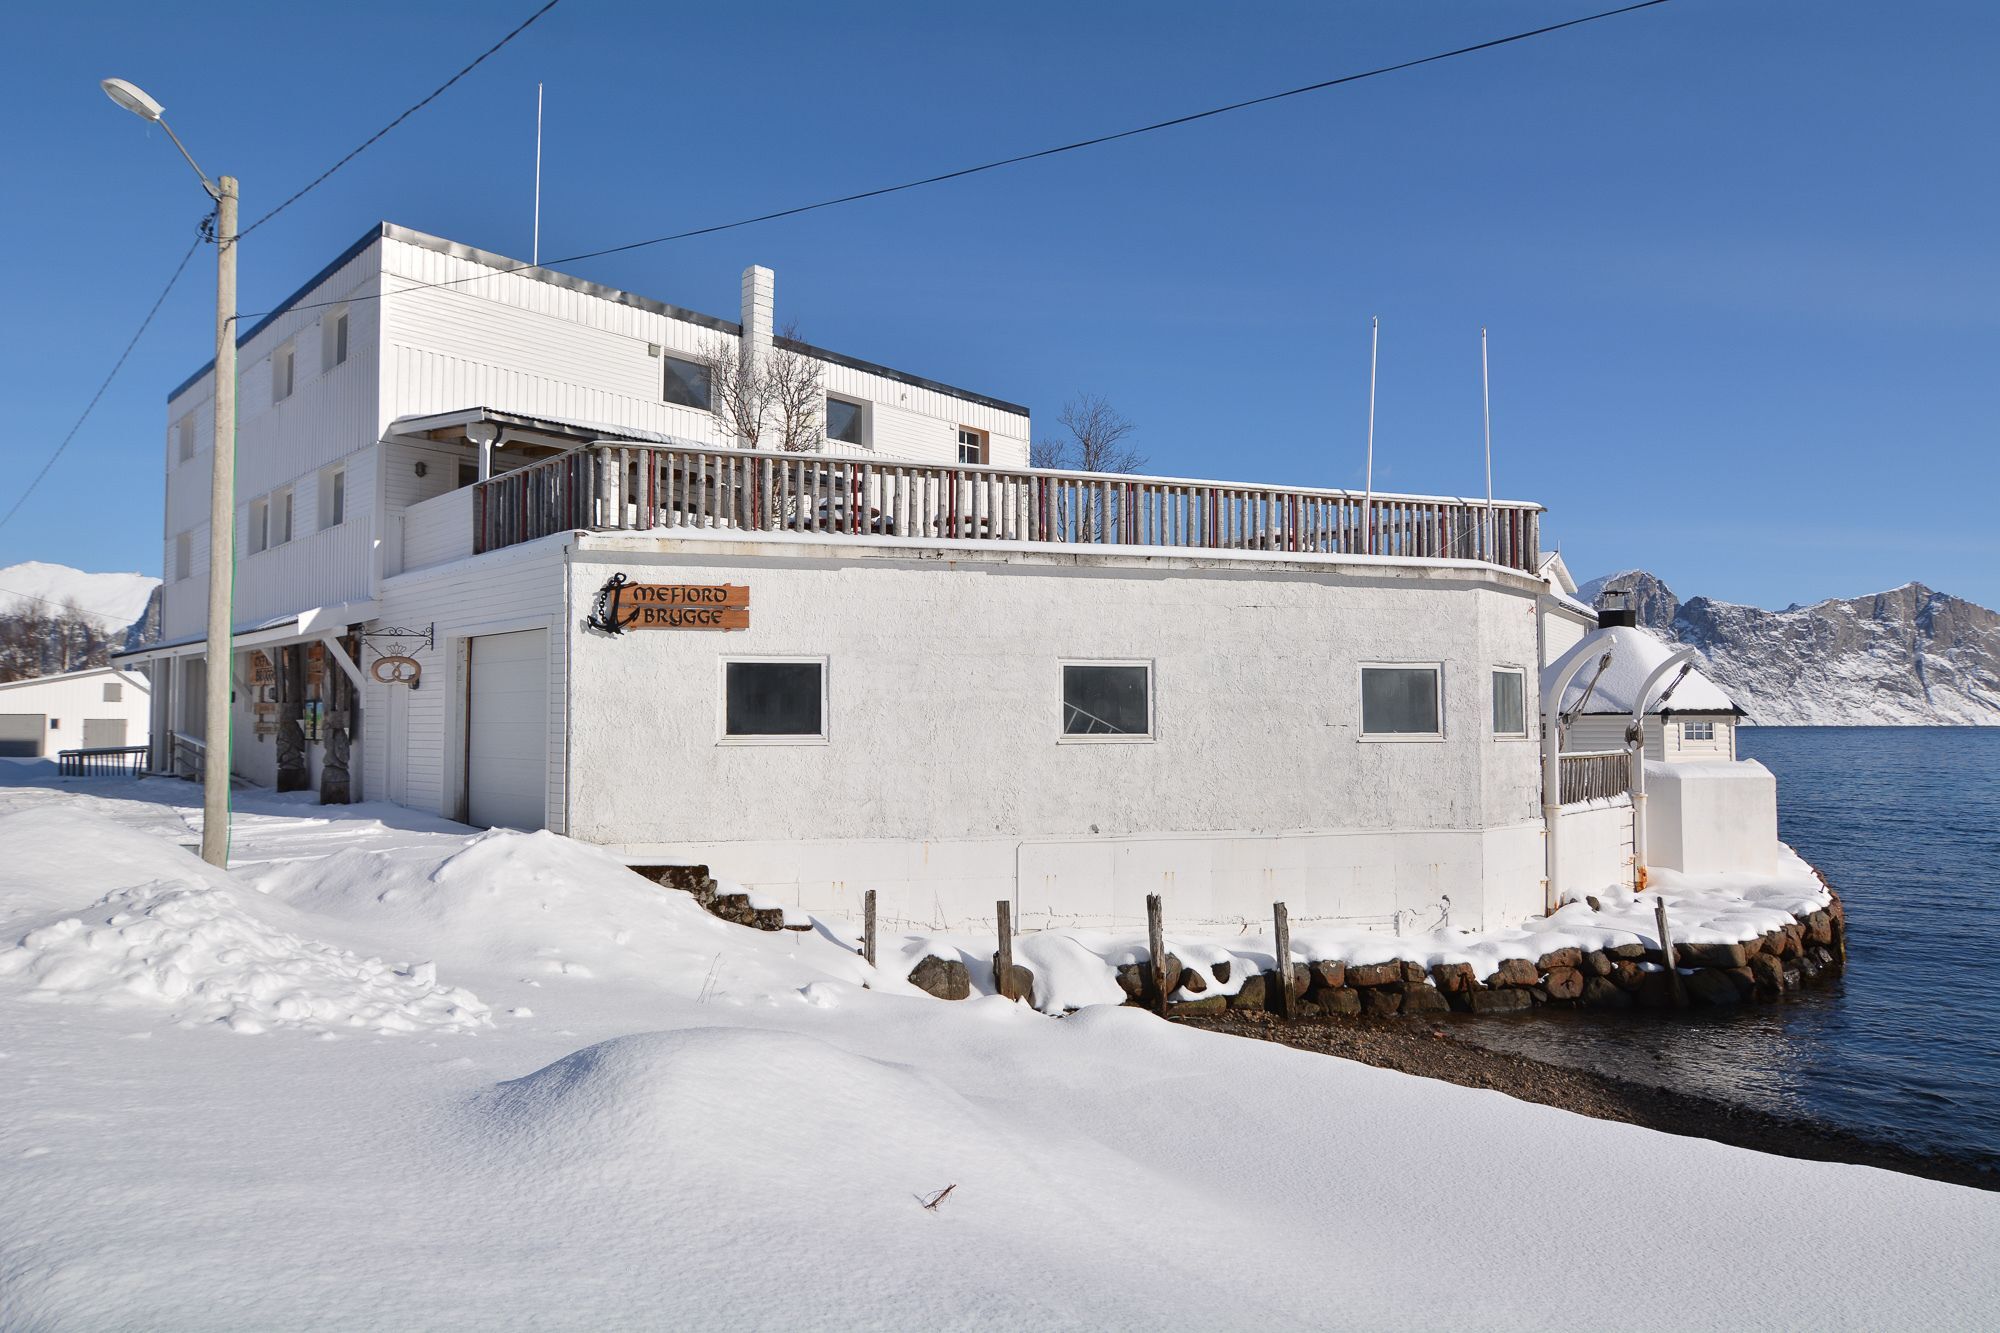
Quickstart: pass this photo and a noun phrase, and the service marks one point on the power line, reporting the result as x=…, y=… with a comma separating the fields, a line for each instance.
x=371, y=139
x=144, y=324
x=1017, y=159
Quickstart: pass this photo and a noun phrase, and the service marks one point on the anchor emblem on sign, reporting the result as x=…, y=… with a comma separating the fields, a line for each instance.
x=606, y=612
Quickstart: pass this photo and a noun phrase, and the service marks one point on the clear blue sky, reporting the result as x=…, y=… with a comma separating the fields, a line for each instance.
x=1738, y=259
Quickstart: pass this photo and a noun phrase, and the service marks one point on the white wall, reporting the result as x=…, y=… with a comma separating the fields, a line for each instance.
x=1712, y=817
x=1597, y=732
x=1597, y=846
x=66, y=701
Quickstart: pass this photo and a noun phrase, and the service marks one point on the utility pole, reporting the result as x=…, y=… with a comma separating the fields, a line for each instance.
x=219, y=674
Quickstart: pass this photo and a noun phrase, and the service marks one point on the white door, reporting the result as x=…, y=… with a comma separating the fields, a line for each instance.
x=507, y=713
x=395, y=743
x=103, y=733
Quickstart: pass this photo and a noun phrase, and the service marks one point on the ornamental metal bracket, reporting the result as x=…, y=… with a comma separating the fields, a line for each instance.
x=397, y=666
x=428, y=634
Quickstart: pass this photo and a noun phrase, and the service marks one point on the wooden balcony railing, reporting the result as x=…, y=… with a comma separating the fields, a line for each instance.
x=1595, y=776
x=648, y=488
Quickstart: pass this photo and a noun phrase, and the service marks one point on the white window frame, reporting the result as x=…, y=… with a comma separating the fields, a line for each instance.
x=332, y=482
x=1152, y=732
x=1708, y=739
x=722, y=736
x=260, y=525
x=1399, y=737
x=284, y=372
x=865, y=414
x=114, y=692
x=1527, y=730
x=290, y=529
x=335, y=328
x=707, y=373
x=984, y=445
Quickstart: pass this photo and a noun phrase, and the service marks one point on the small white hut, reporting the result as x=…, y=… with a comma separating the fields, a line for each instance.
x=1689, y=720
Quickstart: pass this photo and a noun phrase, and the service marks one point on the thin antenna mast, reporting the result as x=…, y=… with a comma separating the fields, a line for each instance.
x=1368, y=506
x=1486, y=396
x=535, y=255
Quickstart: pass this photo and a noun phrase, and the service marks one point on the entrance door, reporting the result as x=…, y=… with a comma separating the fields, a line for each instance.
x=507, y=729
x=103, y=733
x=21, y=734
x=395, y=744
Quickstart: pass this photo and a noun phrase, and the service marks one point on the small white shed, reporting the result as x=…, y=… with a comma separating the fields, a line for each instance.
x=1694, y=723
x=99, y=708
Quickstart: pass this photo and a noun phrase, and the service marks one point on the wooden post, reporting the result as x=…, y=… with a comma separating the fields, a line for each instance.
x=1156, y=942
x=1667, y=953
x=1003, y=960
x=868, y=926
x=1283, y=927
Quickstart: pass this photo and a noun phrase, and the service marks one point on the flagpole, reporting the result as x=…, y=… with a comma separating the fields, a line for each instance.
x=535, y=255
x=1368, y=506
x=1486, y=397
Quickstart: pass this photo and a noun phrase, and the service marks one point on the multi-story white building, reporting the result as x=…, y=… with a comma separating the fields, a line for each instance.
x=498, y=562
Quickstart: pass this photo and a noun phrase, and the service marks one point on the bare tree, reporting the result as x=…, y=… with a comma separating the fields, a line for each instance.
x=773, y=401
x=792, y=388
x=737, y=392
x=1096, y=439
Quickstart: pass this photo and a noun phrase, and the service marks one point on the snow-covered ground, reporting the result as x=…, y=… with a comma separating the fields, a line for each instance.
x=393, y=1072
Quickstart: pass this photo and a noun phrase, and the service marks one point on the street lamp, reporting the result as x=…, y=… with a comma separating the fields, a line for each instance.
x=222, y=489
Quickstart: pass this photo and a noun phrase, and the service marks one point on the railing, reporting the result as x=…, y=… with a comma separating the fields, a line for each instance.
x=1596, y=776
x=646, y=488
x=105, y=762
x=189, y=753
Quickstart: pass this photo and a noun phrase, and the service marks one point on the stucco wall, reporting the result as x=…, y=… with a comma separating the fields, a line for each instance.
x=1712, y=817
x=944, y=780
x=1596, y=846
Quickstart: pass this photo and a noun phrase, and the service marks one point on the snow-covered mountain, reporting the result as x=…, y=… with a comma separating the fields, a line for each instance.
x=114, y=601
x=1906, y=657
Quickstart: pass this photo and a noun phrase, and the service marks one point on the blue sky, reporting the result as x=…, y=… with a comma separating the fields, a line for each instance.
x=1737, y=259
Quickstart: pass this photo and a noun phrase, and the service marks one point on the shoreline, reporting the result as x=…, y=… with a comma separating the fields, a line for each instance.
x=1428, y=1049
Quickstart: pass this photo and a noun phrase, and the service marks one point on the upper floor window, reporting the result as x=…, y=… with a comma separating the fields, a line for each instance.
x=687, y=383
x=282, y=373
x=1107, y=699
x=183, y=555
x=281, y=516
x=845, y=421
x=184, y=429
x=1510, y=709
x=260, y=525
x=971, y=445
x=113, y=692
x=1401, y=702
x=332, y=497
x=334, y=331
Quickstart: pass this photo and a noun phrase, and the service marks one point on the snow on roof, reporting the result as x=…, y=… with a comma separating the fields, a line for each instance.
x=129, y=676
x=1634, y=654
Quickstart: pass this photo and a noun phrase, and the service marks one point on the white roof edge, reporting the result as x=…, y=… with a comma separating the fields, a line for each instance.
x=122, y=672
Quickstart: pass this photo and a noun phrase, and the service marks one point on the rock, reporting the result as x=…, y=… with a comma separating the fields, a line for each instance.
x=1131, y=980
x=1768, y=973
x=1340, y=1003
x=1809, y=967
x=1538, y=993
x=1507, y=1001
x=1743, y=979
x=1711, y=985
x=1381, y=1001
x=1627, y=974
x=1374, y=974
x=1795, y=939
x=1824, y=955
x=1793, y=978
x=1631, y=952
x=1710, y=955
x=1774, y=943
x=946, y=979
x=1819, y=928
x=1192, y=981
x=1590, y=900
x=1252, y=994
x=1301, y=978
x=1220, y=971
x=1413, y=972
x=1515, y=972
x=1420, y=997
x=1451, y=978
x=1564, y=983
x=1656, y=991
x=1603, y=993
x=1556, y=958
x=1208, y=1007
x=1328, y=974
x=1023, y=982
x=1597, y=963
x=1751, y=948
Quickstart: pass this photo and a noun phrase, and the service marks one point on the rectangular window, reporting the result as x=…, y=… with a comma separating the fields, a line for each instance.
x=468, y=474
x=1107, y=699
x=281, y=373
x=1697, y=731
x=843, y=421
x=687, y=383
x=114, y=692
x=336, y=340
x=281, y=516
x=186, y=432
x=260, y=525
x=774, y=700
x=971, y=446
x=1400, y=701
x=183, y=555
x=332, y=498
x=1510, y=710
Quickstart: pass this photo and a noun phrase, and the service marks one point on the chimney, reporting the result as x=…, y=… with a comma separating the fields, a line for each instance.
x=1614, y=607
x=759, y=296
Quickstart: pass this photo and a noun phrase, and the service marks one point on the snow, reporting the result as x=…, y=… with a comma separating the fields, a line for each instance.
x=680, y=1123
x=113, y=600
x=1635, y=653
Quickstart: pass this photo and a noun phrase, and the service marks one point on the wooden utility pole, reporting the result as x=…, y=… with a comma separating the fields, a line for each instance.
x=868, y=926
x=1156, y=942
x=1003, y=958
x=1283, y=929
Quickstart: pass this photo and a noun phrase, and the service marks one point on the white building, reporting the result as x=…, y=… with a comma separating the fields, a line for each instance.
x=496, y=567
x=98, y=708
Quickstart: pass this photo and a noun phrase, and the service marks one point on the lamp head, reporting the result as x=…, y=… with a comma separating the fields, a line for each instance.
x=133, y=98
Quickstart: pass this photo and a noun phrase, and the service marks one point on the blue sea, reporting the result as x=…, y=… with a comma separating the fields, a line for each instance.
x=1905, y=823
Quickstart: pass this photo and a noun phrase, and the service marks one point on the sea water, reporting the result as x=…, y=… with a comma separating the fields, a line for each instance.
x=1905, y=823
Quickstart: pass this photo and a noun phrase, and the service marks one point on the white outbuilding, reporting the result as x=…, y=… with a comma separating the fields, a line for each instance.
x=1689, y=719
x=100, y=708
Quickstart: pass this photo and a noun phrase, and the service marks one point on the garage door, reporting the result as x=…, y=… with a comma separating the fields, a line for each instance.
x=508, y=724
x=21, y=734
x=103, y=733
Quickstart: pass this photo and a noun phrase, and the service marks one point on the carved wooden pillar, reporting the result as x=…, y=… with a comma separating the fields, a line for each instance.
x=294, y=770
x=335, y=786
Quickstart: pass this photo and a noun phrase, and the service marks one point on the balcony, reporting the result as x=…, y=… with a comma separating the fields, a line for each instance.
x=657, y=488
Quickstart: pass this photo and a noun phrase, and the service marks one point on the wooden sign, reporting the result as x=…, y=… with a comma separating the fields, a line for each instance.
x=628, y=606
